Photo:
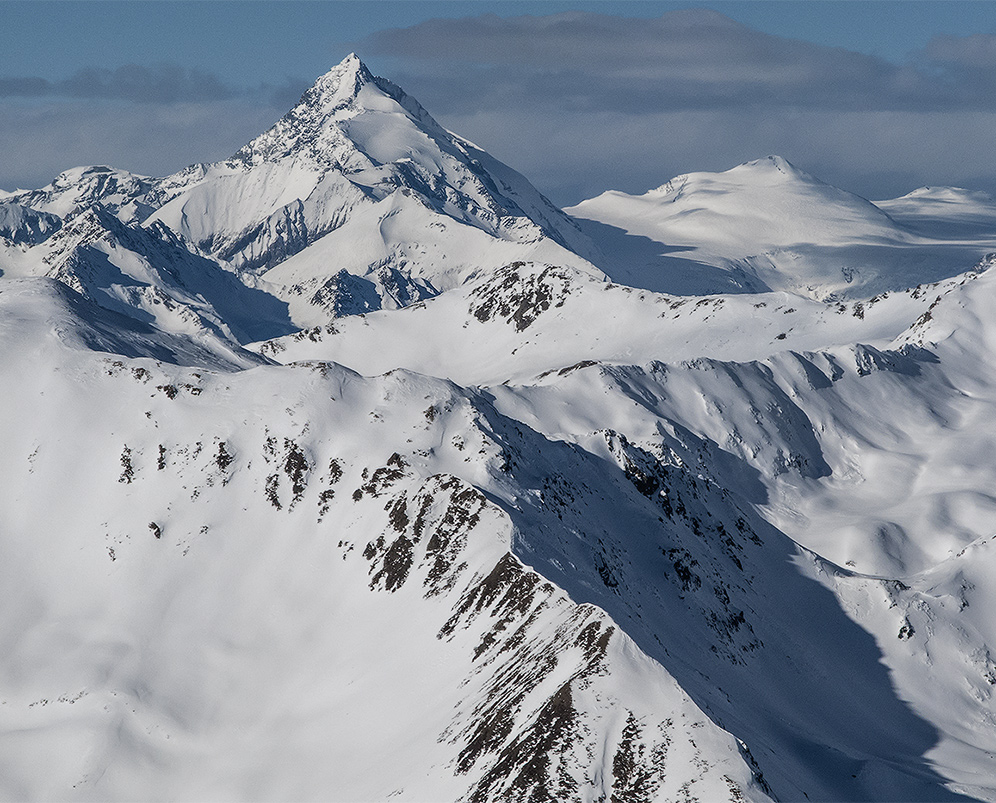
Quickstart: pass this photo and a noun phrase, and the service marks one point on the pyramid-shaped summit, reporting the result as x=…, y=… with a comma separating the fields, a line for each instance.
x=341, y=83
x=360, y=177
x=314, y=127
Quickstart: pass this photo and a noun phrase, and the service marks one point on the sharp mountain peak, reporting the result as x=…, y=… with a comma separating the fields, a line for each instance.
x=340, y=85
x=318, y=121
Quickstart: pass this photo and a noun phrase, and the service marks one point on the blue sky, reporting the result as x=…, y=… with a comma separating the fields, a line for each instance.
x=267, y=41
x=878, y=97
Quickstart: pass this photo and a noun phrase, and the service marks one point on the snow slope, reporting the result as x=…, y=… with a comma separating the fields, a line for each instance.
x=237, y=600
x=337, y=471
x=528, y=319
x=148, y=274
x=945, y=212
x=22, y=225
x=39, y=313
x=80, y=188
x=870, y=460
x=766, y=225
x=281, y=498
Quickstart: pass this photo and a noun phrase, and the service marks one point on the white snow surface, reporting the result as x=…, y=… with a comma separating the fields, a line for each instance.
x=945, y=213
x=529, y=319
x=339, y=471
x=767, y=225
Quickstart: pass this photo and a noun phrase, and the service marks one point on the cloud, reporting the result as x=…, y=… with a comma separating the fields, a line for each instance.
x=695, y=59
x=40, y=140
x=160, y=83
x=151, y=120
x=584, y=102
x=977, y=51
x=877, y=154
x=578, y=102
x=24, y=87
x=163, y=83
x=966, y=64
x=286, y=94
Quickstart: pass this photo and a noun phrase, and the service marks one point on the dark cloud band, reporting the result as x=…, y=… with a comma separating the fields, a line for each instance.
x=694, y=59
x=162, y=83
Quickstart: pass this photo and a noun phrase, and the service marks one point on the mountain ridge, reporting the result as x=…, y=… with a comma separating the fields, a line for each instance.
x=332, y=473
x=355, y=150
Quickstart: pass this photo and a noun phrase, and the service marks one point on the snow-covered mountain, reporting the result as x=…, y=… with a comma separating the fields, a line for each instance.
x=945, y=212
x=766, y=225
x=81, y=187
x=351, y=142
x=355, y=200
x=147, y=274
x=338, y=471
x=21, y=225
